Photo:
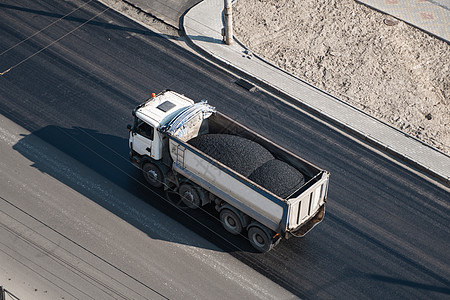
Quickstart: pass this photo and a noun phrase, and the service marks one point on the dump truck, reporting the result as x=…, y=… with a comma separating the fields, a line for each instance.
x=203, y=157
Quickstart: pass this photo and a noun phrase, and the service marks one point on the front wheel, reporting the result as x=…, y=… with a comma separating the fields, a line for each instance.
x=153, y=175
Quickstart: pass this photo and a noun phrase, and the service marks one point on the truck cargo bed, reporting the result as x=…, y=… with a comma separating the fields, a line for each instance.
x=279, y=214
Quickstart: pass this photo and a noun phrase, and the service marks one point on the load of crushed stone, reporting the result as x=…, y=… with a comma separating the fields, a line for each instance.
x=278, y=177
x=251, y=160
x=240, y=154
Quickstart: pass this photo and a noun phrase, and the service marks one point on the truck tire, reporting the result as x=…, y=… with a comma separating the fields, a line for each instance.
x=260, y=238
x=153, y=175
x=230, y=221
x=189, y=196
x=174, y=198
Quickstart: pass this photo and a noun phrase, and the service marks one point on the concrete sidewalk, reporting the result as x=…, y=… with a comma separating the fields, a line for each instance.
x=202, y=25
x=432, y=16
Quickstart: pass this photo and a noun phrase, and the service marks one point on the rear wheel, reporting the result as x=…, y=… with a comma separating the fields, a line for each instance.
x=153, y=175
x=175, y=199
x=189, y=196
x=261, y=239
x=230, y=221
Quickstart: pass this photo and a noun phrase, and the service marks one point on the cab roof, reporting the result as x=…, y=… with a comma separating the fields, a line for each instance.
x=160, y=109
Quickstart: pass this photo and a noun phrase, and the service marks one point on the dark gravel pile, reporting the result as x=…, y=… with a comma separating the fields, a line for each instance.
x=278, y=177
x=251, y=160
x=240, y=154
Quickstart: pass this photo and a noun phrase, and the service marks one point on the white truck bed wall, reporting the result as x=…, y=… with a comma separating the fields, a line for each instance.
x=278, y=214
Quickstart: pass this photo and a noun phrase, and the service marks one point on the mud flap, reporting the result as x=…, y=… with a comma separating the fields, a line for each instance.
x=300, y=232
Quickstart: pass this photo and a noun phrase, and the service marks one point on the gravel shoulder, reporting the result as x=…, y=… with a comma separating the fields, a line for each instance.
x=385, y=67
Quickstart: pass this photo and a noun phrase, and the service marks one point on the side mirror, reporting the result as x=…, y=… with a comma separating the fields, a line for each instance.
x=129, y=127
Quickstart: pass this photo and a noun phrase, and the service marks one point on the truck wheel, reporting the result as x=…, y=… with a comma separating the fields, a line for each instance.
x=230, y=221
x=175, y=199
x=260, y=239
x=153, y=175
x=189, y=196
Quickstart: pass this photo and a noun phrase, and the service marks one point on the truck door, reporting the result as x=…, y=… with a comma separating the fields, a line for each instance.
x=142, y=137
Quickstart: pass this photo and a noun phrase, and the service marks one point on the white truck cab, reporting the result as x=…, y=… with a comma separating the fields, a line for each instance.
x=150, y=117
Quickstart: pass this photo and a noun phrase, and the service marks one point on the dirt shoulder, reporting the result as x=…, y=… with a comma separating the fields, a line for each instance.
x=391, y=70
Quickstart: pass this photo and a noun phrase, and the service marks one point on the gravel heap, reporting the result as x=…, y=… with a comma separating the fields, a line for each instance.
x=278, y=177
x=240, y=154
x=251, y=160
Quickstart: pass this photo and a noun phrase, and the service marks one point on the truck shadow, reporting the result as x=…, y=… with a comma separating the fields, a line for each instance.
x=110, y=175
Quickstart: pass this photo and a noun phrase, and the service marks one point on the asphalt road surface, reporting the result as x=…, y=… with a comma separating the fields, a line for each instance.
x=69, y=84
x=169, y=11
